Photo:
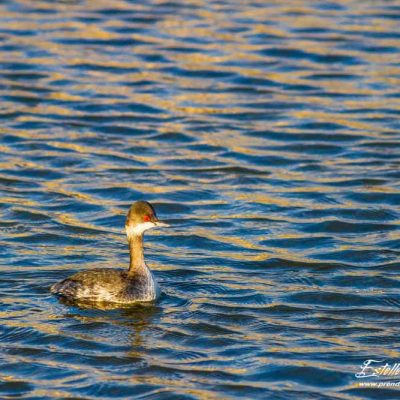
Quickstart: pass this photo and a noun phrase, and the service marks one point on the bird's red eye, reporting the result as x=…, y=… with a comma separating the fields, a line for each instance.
x=146, y=218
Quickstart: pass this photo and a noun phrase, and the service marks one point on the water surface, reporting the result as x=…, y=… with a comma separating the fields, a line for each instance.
x=265, y=133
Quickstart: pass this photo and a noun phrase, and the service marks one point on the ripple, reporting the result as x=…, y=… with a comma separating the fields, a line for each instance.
x=15, y=388
x=347, y=227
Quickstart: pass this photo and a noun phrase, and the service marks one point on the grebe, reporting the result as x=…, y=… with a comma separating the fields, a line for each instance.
x=137, y=284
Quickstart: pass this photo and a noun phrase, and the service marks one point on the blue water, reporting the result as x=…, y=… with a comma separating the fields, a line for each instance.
x=265, y=133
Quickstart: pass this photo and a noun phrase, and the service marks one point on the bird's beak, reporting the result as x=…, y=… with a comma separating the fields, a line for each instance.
x=161, y=224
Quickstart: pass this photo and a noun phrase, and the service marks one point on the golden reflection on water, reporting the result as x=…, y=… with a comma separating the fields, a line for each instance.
x=275, y=164
x=229, y=46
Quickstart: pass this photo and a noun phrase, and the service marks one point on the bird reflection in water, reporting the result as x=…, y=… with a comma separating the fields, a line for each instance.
x=138, y=318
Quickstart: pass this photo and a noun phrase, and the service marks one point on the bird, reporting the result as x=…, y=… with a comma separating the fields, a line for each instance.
x=134, y=285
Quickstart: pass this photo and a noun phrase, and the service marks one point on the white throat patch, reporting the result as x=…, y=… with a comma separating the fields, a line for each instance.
x=138, y=229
